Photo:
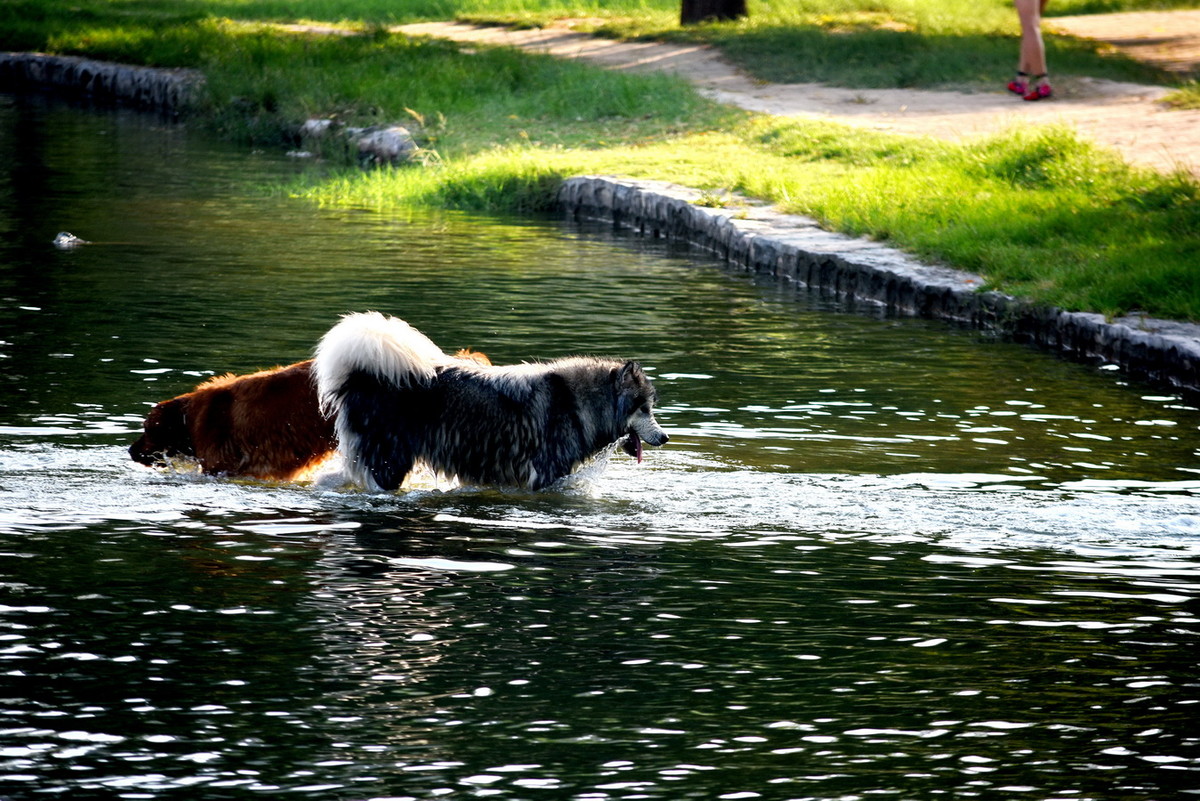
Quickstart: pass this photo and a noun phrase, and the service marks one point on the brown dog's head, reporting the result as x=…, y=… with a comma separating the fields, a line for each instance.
x=166, y=434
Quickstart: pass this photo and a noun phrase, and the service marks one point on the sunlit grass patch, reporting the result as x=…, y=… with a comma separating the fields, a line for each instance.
x=1186, y=96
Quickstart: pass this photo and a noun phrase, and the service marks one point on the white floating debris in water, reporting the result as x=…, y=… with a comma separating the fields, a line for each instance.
x=66, y=240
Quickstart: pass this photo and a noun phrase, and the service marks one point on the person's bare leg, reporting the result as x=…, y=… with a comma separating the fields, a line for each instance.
x=1033, y=50
x=1031, y=69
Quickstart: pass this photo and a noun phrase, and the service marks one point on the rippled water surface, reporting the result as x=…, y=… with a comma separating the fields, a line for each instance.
x=879, y=558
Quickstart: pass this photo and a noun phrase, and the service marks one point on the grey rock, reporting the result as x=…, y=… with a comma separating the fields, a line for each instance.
x=391, y=144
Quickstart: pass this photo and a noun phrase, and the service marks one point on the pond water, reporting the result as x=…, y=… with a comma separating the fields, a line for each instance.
x=880, y=557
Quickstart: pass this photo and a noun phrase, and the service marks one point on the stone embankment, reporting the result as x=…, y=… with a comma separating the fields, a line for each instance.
x=145, y=87
x=753, y=238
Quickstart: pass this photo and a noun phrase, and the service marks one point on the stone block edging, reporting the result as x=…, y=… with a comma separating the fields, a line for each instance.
x=147, y=87
x=796, y=249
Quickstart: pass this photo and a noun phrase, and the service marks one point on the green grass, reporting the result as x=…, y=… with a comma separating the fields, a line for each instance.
x=1186, y=96
x=1038, y=213
x=261, y=84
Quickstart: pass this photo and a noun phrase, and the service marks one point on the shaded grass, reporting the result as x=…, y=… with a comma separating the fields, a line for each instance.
x=261, y=84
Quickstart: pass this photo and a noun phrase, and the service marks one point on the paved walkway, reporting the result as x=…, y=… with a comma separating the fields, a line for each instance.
x=1128, y=117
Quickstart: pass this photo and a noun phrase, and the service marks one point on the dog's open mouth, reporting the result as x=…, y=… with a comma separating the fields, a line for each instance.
x=632, y=445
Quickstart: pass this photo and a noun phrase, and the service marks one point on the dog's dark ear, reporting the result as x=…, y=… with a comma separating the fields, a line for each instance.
x=631, y=386
x=172, y=422
x=631, y=376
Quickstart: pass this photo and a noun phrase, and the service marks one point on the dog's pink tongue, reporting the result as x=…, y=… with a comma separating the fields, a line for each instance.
x=638, y=440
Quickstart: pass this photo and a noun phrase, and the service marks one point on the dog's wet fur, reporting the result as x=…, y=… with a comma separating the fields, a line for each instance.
x=266, y=425
x=398, y=402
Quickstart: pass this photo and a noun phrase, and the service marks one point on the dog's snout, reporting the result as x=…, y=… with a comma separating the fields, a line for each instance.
x=656, y=436
x=137, y=452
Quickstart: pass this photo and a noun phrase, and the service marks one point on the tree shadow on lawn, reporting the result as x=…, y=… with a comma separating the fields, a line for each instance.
x=889, y=59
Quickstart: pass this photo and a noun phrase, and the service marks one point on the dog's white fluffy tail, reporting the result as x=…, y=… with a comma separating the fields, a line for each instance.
x=386, y=347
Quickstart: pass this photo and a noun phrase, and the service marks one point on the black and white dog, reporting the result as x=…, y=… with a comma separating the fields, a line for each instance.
x=398, y=401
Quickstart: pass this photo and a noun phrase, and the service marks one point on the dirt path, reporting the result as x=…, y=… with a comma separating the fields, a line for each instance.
x=1127, y=117
x=1166, y=39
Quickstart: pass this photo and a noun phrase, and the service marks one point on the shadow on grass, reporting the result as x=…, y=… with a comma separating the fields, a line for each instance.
x=890, y=59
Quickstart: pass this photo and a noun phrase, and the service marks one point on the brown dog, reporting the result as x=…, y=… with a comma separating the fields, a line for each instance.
x=265, y=425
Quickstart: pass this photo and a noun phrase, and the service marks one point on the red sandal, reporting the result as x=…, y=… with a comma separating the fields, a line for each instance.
x=1020, y=84
x=1041, y=89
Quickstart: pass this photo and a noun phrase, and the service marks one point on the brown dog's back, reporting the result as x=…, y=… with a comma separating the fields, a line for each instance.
x=265, y=425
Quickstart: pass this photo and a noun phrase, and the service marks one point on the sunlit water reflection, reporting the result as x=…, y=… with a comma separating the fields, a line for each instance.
x=879, y=556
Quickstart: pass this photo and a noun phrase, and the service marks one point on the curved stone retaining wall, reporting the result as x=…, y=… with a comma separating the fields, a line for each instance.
x=796, y=249
x=162, y=89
